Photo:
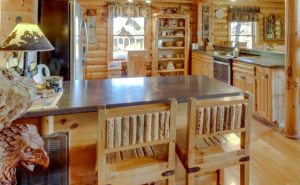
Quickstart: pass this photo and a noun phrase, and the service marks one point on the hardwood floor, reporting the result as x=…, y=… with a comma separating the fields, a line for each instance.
x=275, y=160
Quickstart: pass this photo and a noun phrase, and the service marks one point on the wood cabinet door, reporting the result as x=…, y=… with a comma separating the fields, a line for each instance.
x=263, y=96
x=250, y=86
x=202, y=65
x=210, y=70
x=196, y=67
x=238, y=80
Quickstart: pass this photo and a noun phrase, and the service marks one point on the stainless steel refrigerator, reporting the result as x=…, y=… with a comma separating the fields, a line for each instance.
x=62, y=23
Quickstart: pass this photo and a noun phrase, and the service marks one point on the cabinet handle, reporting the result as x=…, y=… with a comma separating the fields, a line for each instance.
x=265, y=76
x=243, y=77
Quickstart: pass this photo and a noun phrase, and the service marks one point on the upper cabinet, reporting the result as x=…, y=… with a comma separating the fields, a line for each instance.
x=206, y=21
x=273, y=27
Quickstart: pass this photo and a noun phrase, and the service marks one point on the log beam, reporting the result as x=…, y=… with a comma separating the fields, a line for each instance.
x=292, y=69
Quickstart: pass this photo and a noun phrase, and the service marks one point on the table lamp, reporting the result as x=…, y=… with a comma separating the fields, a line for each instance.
x=27, y=38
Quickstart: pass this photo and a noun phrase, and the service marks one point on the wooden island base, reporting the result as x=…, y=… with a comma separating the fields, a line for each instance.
x=269, y=151
x=82, y=130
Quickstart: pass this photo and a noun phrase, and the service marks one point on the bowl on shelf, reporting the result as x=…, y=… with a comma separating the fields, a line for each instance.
x=179, y=33
x=178, y=65
x=161, y=56
x=162, y=67
x=168, y=44
x=179, y=43
x=169, y=56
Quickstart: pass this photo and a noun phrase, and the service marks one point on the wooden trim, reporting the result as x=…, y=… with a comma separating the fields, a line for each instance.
x=109, y=39
x=101, y=157
x=47, y=125
x=123, y=148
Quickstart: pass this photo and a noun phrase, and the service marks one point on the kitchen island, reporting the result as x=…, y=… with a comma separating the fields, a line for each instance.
x=77, y=110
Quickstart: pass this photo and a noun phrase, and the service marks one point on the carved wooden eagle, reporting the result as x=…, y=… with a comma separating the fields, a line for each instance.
x=20, y=145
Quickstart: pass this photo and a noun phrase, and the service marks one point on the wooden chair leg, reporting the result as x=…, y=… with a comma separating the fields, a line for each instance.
x=171, y=180
x=190, y=179
x=244, y=174
x=220, y=179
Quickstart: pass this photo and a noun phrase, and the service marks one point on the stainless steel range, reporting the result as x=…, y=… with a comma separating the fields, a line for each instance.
x=223, y=67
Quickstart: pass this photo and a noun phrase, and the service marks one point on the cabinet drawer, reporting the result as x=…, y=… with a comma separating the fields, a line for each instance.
x=245, y=68
x=201, y=58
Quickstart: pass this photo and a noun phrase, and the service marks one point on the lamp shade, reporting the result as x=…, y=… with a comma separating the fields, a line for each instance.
x=26, y=37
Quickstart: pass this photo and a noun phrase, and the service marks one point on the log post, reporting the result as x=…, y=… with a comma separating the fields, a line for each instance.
x=292, y=69
x=47, y=125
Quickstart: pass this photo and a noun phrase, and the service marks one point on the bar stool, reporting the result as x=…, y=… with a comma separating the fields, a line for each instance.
x=136, y=144
x=217, y=136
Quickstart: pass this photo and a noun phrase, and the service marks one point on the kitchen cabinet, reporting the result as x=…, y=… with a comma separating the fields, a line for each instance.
x=267, y=86
x=202, y=64
x=264, y=96
x=244, y=78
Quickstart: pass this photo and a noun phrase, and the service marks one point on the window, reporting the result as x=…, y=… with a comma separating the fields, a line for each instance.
x=128, y=34
x=243, y=32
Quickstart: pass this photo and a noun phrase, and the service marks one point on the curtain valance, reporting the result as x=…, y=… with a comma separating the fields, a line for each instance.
x=116, y=9
x=244, y=14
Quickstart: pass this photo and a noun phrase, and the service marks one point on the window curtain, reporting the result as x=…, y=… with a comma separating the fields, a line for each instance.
x=244, y=14
x=116, y=9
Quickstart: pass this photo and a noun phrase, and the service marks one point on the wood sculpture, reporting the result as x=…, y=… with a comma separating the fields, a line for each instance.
x=20, y=145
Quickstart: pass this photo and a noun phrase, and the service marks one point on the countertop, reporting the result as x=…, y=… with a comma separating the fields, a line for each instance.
x=92, y=95
x=264, y=61
x=275, y=60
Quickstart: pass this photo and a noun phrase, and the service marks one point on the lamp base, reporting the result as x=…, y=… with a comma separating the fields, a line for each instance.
x=27, y=64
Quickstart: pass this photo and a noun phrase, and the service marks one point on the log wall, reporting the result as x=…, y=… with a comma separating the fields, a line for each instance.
x=220, y=27
x=96, y=65
x=9, y=10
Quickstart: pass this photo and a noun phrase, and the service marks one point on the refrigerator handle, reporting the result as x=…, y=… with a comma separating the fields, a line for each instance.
x=86, y=48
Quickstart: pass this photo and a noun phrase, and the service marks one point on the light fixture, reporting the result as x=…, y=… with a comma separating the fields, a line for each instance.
x=27, y=38
x=130, y=1
x=148, y=1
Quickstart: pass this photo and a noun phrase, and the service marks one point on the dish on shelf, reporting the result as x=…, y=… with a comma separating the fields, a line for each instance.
x=181, y=23
x=170, y=66
x=179, y=33
x=177, y=55
x=179, y=43
x=168, y=44
x=169, y=56
x=162, y=56
x=178, y=65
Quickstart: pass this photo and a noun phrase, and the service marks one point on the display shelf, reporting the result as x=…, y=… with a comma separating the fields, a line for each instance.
x=169, y=25
x=170, y=70
x=172, y=48
x=170, y=59
x=172, y=28
x=175, y=36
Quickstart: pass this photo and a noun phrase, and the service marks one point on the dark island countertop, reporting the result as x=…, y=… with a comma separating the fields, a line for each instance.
x=269, y=60
x=92, y=95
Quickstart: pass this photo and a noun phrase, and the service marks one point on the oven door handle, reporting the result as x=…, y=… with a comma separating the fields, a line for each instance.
x=222, y=63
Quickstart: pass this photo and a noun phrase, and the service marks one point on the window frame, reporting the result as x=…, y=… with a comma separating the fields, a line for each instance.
x=253, y=31
x=111, y=35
